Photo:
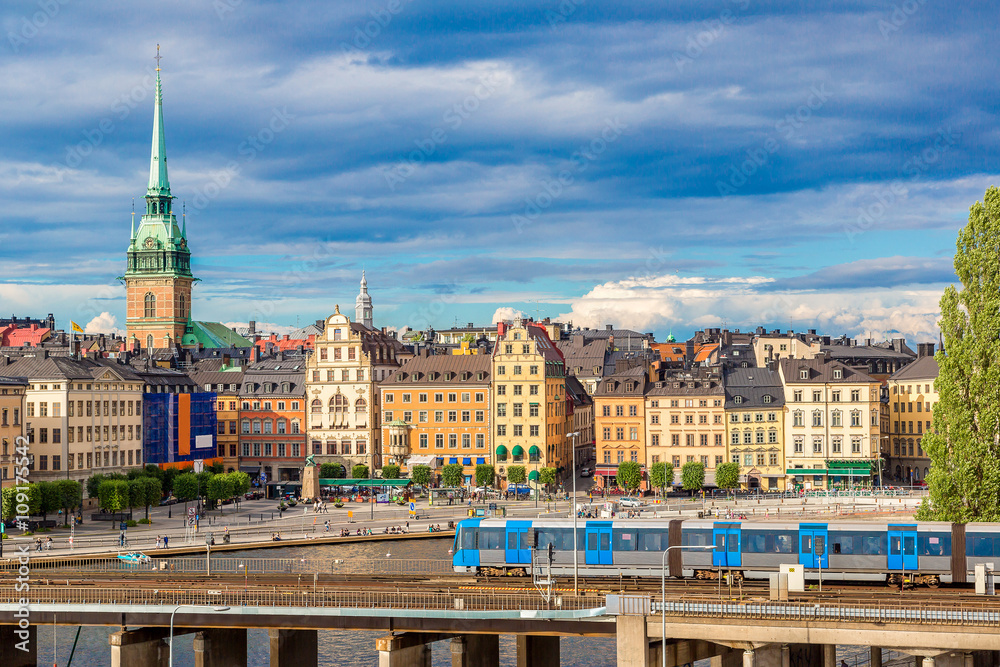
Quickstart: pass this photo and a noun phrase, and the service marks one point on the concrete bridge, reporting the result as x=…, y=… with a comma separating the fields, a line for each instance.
x=730, y=633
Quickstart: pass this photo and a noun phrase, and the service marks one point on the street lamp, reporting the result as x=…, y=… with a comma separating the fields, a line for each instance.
x=170, y=652
x=576, y=553
x=663, y=592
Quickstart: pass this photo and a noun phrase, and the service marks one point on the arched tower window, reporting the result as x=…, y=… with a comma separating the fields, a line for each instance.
x=183, y=306
x=150, y=303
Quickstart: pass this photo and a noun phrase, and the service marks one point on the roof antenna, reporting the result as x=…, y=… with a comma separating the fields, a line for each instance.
x=184, y=219
x=133, y=218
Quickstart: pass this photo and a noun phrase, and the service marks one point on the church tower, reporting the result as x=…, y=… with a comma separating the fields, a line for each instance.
x=363, y=305
x=158, y=278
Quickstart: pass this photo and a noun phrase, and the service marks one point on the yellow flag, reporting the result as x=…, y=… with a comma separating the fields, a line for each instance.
x=76, y=327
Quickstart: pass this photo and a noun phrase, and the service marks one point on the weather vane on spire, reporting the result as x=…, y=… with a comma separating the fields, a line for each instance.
x=157, y=58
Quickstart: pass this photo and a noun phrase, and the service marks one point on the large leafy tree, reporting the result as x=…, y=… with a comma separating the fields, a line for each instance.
x=485, y=474
x=219, y=488
x=390, y=471
x=661, y=475
x=964, y=446
x=186, y=488
x=629, y=475
x=152, y=491
x=692, y=475
x=50, y=500
x=359, y=471
x=421, y=474
x=331, y=471
x=70, y=492
x=547, y=476
x=93, y=482
x=516, y=474
x=452, y=474
x=113, y=495
x=727, y=475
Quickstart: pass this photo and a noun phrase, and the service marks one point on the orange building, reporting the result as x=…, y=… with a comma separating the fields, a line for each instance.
x=272, y=418
x=436, y=411
x=619, y=423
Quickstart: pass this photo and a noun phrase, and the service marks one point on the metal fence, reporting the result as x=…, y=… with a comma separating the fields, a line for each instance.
x=236, y=565
x=295, y=597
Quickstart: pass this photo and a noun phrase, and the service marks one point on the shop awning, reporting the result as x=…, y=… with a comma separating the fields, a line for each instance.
x=362, y=482
x=466, y=461
x=518, y=450
x=421, y=461
x=501, y=453
x=453, y=460
x=534, y=451
x=480, y=460
x=533, y=475
x=838, y=472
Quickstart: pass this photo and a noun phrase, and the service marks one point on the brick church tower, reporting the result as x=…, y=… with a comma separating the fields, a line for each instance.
x=158, y=278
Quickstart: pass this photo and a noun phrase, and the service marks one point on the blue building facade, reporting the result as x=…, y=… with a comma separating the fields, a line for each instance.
x=178, y=428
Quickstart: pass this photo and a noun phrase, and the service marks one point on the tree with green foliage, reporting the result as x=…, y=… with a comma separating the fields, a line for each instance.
x=241, y=484
x=167, y=481
x=629, y=475
x=331, y=471
x=186, y=488
x=136, y=492
x=135, y=473
x=516, y=474
x=219, y=488
x=661, y=476
x=50, y=500
x=727, y=476
x=93, y=482
x=547, y=476
x=70, y=496
x=390, y=471
x=693, y=476
x=964, y=445
x=359, y=471
x=216, y=468
x=12, y=497
x=113, y=495
x=421, y=474
x=485, y=474
x=152, y=492
x=452, y=474
x=204, y=477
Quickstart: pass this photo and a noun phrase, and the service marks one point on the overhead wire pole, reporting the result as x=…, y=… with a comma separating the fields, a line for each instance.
x=576, y=546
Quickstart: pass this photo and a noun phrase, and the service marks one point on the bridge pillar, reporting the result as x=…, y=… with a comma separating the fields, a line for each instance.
x=829, y=655
x=220, y=647
x=293, y=648
x=876, y=656
x=475, y=651
x=408, y=649
x=543, y=651
x=11, y=638
x=633, y=641
x=143, y=648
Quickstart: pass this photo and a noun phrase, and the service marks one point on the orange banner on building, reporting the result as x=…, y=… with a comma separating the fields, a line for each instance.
x=183, y=424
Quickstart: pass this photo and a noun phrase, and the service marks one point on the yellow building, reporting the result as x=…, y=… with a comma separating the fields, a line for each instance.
x=437, y=412
x=832, y=423
x=755, y=407
x=912, y=397
x=529, y=400
x=685, y=421
x=12, y=392
x=620, y=424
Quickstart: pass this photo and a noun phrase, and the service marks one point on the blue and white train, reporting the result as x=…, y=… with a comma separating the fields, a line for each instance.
x=925, y=553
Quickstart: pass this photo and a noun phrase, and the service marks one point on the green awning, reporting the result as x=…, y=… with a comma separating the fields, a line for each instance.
x=364, y=482
x=518, y=450
x=840, y=472
x=502, y=452
x=535, y=451
x=533, y=475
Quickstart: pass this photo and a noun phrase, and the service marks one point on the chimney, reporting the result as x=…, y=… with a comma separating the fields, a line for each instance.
x=299, y=349
x=868, y=342
x=45, y=354
x=253, y=355
x=688, y=353
x=897, y=344
x=285, y=337
x=281, y=355
x=252, y=326
x=608, y=327
x=226, y=360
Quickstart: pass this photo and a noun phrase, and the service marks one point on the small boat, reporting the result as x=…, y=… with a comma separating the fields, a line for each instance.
x=135, y=558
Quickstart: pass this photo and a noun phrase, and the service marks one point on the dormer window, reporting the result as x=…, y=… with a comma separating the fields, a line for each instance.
x=767, y=398
x=804, y=374
x=838, y=374
x=737, y=399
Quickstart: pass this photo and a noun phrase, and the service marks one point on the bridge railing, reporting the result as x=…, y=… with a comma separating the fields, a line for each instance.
x=322, y=598
x=255, y=566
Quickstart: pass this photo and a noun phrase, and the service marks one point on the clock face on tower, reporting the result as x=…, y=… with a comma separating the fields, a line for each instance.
x=150, y=242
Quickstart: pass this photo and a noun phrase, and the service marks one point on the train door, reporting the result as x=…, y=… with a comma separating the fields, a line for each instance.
x=598, y=544
x=902, y=548
x=518, y=546
x=813, y=545
x=726, y=537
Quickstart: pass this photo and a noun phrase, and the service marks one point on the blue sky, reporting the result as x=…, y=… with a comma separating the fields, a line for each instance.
x=664, y=168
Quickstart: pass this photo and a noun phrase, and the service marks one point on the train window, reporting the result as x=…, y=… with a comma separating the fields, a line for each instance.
x=624, y=540
x=934, y=544
x=847, y=542
x=652, y=540
x=874, y=545
x=467, y=538
x=605, y=542
x=807, y=544
x=768, y=542
x=895, y=545
x=591, y=541
x=491, y=538
x=525, y=539
x=754, y=543
x=909, y=545
x=696, y=538
x=561, y=539
x=981, y=546
x=512, y=540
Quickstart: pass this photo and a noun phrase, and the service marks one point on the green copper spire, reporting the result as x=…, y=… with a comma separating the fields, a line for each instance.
x=158, y=183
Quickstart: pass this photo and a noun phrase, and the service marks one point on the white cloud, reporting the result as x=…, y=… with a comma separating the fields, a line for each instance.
x=506, y=313
x=663, y=302
x=104, y=323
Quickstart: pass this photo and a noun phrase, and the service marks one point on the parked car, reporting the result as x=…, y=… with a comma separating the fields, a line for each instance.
x=630, y=502
x=170, y=500
x=586, y=472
